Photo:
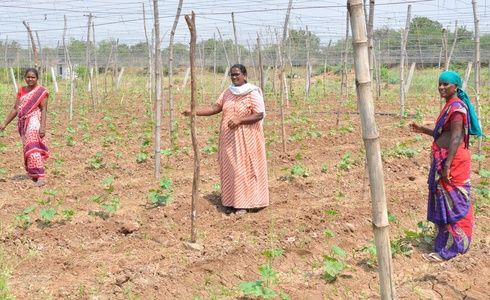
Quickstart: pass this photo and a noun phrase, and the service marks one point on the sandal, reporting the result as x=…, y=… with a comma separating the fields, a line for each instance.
x=432, y=257
x=41, y=182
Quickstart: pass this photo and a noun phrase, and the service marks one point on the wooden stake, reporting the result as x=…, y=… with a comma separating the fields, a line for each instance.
x=171, y=73
x=467, y=75
x=343, y=82
x=403, y=55
x=224, y=49
x=238, y=58
x=477, y=74
x=261, y=67
x=195, y=182
x=14, y=82
x=282, y=56
x=33, y=44
x=308, y=66
x=158, y=89
x=373, y=154
x=72, y=72
x=370, y=34
x=446, y=67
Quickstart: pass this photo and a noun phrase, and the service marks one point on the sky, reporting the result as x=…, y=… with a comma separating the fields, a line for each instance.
x=123, y=19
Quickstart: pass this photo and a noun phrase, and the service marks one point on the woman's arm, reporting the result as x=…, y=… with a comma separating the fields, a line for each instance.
x=204, y=111
x=253, y=118
x=11, y=115
x=421, y=129
x=454, y=142
x=44, y=111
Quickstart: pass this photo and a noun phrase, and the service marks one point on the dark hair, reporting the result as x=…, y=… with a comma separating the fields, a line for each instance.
x=33, y=70
x=241, y=67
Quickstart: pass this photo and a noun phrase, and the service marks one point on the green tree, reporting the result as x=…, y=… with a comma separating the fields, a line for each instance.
x=296, y=45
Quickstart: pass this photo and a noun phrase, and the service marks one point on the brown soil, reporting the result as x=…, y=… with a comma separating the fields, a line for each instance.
x=139, y=251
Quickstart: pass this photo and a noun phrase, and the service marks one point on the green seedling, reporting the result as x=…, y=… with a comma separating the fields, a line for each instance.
x=24, y=218
x=162, y=195
x=262, y=288
x=96, y=162
x=107, y=183
x=328, y=233
x=345, y=162
x=334, y=264
x=142, y=157
x=112, y=206
x=297, y=170
x=47, y=215
x=70, y=141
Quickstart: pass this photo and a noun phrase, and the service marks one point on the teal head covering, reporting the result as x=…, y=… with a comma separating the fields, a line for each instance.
x=454, y=78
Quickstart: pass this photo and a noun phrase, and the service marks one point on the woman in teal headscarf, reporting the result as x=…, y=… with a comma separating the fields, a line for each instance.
x=449, y=205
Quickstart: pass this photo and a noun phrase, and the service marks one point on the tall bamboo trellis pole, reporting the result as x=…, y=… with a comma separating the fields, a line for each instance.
x=477, y=73
x=282, y=56
x=191, y=24
x=72, y=72
x=403, y=55
x=33, y=43
x=448, y=62
x=261, y=70
x=371, y=143
x=158, y=89
x=237, y=49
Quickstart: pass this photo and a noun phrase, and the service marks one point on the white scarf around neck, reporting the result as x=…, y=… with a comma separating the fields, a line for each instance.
x=242, y=89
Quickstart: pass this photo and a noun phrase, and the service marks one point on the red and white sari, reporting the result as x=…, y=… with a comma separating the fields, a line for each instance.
x=29, y=123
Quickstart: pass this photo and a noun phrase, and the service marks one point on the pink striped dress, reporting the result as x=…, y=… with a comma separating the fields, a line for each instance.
x=241, y=155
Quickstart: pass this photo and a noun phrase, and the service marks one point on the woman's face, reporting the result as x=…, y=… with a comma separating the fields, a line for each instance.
x=31, y=79
x=237, y=77
x=446, y=90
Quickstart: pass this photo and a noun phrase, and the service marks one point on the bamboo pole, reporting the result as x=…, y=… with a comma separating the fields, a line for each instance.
x=467, y=75
x=195, y=182
x=409, y=78
x=55, y=82
x=403, y=55
x=33, y=43
x=41, y=65
x=96, y=67
x=370, y=136
x=72, y=73
x=282, y=55
x=214, y=65
x=448, y=62
x=370, y=34
x=238, y=58
x=261, y=68
x=158, y=89
x=224, y=49
x=324, y=77
x=87, y=61
x=308, y=66
x=14, y=82
x=343, y=82
x=444, y=47
x=477, y=73
x=171, y=73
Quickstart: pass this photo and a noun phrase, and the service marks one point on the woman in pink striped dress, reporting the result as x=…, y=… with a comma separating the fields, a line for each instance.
x=241, y=155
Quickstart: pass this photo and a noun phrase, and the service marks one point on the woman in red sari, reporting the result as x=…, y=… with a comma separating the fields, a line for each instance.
x=449, y=205
x=31, y=109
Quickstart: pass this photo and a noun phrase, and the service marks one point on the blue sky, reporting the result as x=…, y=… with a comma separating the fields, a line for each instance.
x=123, y=19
